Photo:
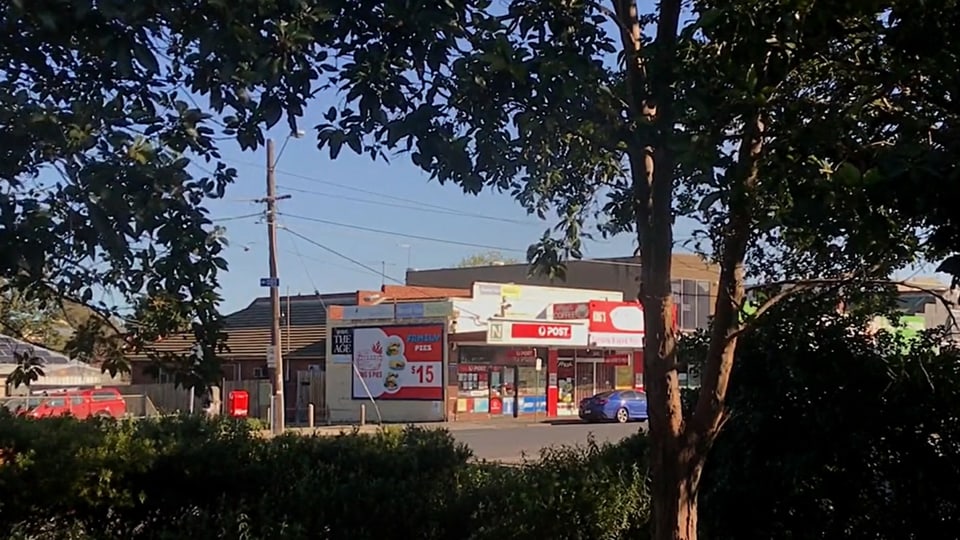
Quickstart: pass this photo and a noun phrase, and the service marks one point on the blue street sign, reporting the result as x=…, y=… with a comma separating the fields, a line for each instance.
x=269, y=282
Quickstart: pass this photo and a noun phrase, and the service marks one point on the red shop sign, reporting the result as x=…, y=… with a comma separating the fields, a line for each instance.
x=521, y=354
x=618, y=359
x=616, y=317
x=541, y=331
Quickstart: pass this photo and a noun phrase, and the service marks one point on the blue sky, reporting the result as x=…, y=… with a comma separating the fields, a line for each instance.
x=357, y=192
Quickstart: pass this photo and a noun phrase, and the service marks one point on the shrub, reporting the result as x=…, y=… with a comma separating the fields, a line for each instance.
x=185, y=477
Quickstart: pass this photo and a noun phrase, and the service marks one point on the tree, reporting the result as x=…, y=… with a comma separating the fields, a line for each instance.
x=100, y=127
x=786, y=129
x=29, y=320
x=487, y=258
x=834, y=433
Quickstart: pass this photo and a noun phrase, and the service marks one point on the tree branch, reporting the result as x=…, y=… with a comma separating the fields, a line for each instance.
x=708, y=413
x=795, y=286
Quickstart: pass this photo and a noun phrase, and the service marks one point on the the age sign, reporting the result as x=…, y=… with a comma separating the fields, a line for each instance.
x=541, y=331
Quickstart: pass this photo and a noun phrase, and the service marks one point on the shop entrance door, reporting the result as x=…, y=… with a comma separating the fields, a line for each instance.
x=605, y=377
x=584, y=388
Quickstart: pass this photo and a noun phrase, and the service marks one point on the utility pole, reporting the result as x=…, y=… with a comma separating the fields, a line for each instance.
x=274, y=283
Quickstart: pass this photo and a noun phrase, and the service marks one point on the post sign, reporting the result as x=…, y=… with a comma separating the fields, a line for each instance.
x=398, y=362
x=541, y=331
x=537, y=333
x=270, y=282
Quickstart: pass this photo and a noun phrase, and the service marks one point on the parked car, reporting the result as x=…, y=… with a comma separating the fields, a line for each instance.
x=100, y=402
x=614, y=405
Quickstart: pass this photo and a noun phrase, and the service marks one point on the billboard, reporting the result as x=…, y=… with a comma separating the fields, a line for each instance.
x=395, y=362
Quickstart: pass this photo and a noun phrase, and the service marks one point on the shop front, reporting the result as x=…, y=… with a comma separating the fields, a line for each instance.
x=500, y=381
x=612, y=359
x=585, y=372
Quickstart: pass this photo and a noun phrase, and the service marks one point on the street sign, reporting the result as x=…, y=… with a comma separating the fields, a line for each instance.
x=269, y=282
x=539, y=364
x=271, y=356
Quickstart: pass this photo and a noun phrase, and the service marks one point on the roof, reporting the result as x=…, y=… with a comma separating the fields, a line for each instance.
x=10, y=347
x=406, y=293
x=303, y=324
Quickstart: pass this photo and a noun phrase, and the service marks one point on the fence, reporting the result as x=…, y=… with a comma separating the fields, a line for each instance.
x=166, y=397
x=311, y=389
x=260, y=392
x=140, y=406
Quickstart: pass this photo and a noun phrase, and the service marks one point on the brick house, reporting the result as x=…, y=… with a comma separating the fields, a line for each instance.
x=302, y=332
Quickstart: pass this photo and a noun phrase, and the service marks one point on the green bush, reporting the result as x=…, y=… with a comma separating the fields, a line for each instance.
x=186, y=477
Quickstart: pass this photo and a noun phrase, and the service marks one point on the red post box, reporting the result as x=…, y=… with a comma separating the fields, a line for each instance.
x=238, y=403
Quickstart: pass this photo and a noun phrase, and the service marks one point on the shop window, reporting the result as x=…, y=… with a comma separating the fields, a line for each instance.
x=531, y=382
x=624, y=377
x=692, y=298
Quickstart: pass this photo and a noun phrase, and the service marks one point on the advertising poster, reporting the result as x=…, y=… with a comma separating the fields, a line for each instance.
x=398, y=362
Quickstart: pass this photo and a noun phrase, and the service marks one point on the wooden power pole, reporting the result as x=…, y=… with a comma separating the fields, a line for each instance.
x=273, y=282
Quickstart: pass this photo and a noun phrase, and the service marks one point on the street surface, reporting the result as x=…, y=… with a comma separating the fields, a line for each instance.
x=511, y=442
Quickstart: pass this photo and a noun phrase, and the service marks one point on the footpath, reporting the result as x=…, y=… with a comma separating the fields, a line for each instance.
x=493, y=424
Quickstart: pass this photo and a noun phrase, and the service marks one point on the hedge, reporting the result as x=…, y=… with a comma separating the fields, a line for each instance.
x=192, y=478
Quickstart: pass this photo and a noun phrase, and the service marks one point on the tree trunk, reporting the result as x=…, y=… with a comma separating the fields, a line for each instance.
x=678, y=492
x=675, y=461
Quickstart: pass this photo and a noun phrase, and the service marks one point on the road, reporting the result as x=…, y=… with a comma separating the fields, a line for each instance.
x=509, y=443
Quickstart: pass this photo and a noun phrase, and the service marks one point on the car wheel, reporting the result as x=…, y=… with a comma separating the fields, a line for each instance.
x=623, y=416
x=103, y=414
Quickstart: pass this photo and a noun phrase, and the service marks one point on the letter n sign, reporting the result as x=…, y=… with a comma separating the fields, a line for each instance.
x=496, y=332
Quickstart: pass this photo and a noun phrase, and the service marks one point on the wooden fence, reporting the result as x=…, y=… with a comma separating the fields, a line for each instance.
x=166, y=397
x=260, y=391
x=311, y=389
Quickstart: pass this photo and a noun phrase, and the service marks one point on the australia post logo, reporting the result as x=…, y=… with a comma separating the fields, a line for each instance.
x=553, y=331
x=541, y=331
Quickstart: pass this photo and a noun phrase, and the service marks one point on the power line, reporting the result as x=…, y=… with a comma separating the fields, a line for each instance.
x=366, y=267
x=404, y=235
x=419, y=207
x=332, y=251
x=303, y=263
x=472, y=245
x=322, y=261
x=392, y=198
x=235, y=218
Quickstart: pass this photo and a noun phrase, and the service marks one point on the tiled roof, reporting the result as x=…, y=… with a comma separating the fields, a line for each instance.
x=405, y=293
x=302, y=333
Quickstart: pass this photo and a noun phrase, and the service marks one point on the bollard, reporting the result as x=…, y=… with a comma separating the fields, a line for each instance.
x=363, y=414
x=310, y=420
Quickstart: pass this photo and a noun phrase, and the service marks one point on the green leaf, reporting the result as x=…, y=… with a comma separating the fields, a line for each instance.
x=146, y=58
x=336, y=143
x=271, y=110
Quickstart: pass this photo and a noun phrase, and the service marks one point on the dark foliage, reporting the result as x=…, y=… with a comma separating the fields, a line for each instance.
x=183, y=478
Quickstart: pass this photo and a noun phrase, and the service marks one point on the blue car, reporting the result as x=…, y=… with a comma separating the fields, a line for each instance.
x=616, y=405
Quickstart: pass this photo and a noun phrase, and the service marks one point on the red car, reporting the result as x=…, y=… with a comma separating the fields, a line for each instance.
x=101, y=402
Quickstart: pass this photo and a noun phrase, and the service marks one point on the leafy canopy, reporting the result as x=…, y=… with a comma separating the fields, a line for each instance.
x=536, y=99
x=99, y=126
